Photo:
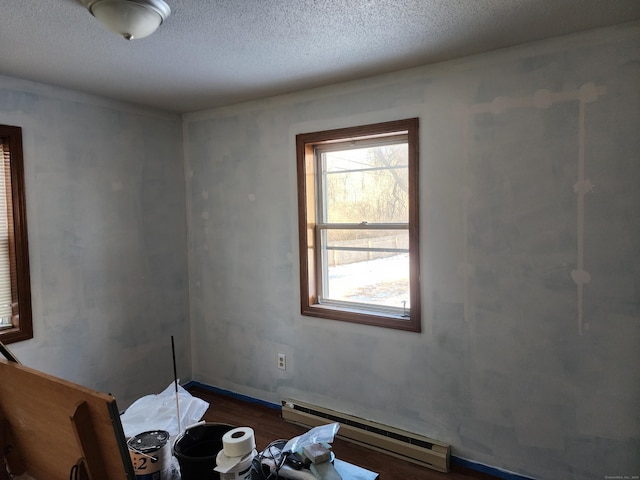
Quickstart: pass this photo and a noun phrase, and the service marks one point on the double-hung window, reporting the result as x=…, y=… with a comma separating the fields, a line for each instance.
x=358, y=224
x=15, y=288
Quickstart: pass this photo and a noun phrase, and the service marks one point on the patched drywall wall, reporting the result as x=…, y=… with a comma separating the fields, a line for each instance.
x=529, y=170
x=107, y=239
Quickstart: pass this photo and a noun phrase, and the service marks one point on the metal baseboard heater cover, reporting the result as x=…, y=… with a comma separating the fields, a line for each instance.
x=399, y=443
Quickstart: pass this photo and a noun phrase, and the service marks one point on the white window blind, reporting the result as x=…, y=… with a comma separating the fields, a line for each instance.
x=5, y=232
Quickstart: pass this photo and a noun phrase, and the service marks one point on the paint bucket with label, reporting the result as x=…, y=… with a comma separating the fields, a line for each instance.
x=241, y=470
x=150, y=454
x=238, y=451
x=196, y=450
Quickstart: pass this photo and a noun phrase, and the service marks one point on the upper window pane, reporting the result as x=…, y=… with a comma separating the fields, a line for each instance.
x=366, y=184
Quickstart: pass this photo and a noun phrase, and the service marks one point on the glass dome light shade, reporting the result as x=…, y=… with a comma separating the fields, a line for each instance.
x=130, y=18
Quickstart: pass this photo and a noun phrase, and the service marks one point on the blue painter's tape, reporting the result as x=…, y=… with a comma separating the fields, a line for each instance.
x=493, y=471
x=229, y=393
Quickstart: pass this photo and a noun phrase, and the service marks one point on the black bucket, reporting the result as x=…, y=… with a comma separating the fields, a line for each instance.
x=196, y=450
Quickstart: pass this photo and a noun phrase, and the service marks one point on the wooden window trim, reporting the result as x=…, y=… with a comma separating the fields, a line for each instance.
x=21, y=284
x=306, y=174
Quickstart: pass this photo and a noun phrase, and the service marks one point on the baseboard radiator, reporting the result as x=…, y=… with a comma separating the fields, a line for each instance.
x=392, y=441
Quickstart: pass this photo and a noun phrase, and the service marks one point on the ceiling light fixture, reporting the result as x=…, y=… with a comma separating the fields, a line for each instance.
x=132, y=19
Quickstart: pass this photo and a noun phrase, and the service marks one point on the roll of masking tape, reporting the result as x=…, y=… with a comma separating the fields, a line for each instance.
x=238, y=442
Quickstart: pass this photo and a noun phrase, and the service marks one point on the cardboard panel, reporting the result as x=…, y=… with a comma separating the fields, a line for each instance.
x=40, y=410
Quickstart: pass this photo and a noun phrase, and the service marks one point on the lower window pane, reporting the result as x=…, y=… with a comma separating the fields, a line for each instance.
x=383, y=281
x=367, y=267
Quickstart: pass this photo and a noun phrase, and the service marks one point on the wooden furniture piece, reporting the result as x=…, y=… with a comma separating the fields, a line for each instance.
x=53, y=425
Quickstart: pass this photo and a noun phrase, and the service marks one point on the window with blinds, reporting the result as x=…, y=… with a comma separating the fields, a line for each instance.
x=15, y=287
x=7, y=256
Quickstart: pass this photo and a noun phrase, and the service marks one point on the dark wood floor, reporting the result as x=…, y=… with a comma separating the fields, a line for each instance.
x=268, y=426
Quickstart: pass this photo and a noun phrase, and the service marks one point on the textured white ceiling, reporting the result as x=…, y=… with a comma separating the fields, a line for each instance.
x=211, y=53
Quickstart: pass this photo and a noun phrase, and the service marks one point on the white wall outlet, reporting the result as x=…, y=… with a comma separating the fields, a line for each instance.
x=282, y=361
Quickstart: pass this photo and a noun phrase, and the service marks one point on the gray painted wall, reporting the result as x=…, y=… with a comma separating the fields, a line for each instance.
x=528, y=358
x=530, y=242
x=107, y=239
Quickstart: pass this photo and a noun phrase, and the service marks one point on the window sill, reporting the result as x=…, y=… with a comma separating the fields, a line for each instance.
x=397, y=322
x=14, y=334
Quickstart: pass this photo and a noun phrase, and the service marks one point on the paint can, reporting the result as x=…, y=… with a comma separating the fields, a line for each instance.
x=150, y=454
x=233, y=462
x=241, y=470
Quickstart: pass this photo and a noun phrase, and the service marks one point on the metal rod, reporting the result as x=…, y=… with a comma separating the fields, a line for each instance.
x=175, y=379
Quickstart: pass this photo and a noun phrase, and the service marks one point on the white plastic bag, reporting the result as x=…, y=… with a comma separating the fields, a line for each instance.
x=322, y=433
x=159, y=412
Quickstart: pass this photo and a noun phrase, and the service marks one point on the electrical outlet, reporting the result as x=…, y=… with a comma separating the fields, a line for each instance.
x=282, y=361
